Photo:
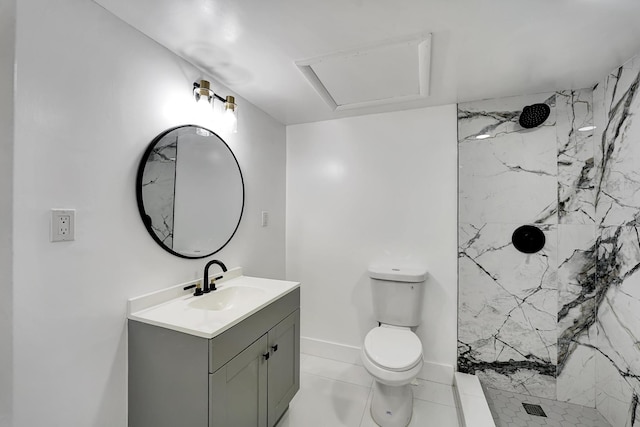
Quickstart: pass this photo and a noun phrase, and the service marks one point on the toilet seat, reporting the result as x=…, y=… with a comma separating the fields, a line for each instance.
x=393, y=348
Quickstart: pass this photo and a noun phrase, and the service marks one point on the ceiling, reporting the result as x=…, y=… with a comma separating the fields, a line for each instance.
x=478, y=49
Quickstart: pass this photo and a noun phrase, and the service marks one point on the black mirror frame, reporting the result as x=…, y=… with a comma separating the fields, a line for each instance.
x=146, y=220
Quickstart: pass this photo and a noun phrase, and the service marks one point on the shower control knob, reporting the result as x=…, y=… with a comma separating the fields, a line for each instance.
x=528, y=239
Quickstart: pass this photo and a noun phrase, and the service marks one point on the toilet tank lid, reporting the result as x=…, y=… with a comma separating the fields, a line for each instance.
x=398, y=274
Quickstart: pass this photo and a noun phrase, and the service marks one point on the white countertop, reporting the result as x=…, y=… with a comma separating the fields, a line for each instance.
x=177, y=309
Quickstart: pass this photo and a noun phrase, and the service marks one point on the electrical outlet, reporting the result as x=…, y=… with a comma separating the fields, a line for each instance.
x=265, y=218
x=63, y=225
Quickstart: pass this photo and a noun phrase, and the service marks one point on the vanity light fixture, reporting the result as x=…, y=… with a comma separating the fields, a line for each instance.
x=483, y=136
x=586, y=128
x=203, y=94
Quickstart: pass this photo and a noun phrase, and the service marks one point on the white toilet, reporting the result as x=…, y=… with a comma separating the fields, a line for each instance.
x=392, y=353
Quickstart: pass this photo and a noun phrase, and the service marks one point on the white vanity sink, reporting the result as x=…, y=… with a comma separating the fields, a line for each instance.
x=227, y=298
x=236, y=298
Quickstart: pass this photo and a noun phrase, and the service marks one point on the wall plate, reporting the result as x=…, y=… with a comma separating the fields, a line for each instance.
x=63, y=223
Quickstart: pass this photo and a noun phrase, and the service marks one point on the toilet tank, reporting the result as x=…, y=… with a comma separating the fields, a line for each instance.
x=398, y=294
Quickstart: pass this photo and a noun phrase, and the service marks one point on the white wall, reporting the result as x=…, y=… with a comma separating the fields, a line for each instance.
x=7, y=46
x=371, y=188
x=91, y=94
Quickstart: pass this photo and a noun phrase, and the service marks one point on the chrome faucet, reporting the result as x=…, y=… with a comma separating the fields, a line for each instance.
x=206, y=288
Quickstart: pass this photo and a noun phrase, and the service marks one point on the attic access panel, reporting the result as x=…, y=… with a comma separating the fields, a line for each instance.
x=385, y=73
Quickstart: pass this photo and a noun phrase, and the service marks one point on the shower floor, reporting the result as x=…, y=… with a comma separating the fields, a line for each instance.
x=507, y=411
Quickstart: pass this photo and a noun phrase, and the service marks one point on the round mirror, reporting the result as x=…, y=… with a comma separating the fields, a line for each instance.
x=190, y=191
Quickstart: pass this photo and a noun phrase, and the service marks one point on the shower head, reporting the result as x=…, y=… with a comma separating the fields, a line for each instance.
x=534, y=115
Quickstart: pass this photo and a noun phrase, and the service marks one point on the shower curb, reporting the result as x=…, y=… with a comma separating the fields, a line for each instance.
x=472, y=403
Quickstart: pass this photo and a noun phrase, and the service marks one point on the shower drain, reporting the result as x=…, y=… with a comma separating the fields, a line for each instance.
x=534, y=410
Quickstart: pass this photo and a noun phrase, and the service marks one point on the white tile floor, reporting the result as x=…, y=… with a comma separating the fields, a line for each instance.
x=337, y=394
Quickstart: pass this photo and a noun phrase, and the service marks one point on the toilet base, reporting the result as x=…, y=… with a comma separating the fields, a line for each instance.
x=392, y=406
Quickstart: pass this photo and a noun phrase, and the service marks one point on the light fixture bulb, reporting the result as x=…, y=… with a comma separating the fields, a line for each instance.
x=203, y=100
x=202, y=92
x=483, y=136
x=230, y=115
x=203, y=104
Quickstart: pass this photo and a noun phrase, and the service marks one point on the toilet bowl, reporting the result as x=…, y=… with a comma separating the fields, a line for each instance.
x=393, y=356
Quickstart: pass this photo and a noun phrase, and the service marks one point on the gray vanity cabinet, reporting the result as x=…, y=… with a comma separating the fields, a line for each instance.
x=244, y=377
x=284, y=366
x=239, y=389
x=255, y=387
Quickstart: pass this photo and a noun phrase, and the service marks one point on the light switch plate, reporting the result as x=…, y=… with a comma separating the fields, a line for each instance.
x=63, y=223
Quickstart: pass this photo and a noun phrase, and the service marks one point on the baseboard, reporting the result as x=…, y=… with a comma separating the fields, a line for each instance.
x=437, y=372
x=350, y=354
x=330, y=350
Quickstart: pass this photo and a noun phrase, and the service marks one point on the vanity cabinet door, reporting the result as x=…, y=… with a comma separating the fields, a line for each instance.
x=238, y=390
x=284, y=365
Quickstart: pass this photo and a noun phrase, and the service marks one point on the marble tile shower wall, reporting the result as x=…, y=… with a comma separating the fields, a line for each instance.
x=617, y=197
x=524, y=323
x=563, y=323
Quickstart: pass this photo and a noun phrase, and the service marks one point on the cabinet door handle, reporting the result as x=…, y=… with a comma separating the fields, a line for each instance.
x=274, y=348
x=266, y=356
